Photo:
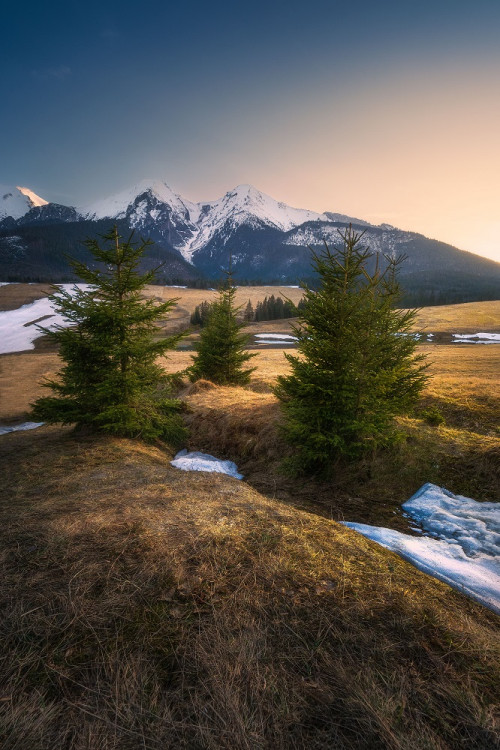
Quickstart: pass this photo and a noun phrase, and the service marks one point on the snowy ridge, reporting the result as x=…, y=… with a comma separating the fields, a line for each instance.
x=15, y=202
x=118, y=206
x=245, y=205
x=197, y=223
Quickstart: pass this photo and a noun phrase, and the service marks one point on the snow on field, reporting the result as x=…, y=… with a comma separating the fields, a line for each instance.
x=18, y=328
x=284, y=336
x=24, y=426
x=476, y=338
x=274, y=338
x=196, y=461
x=460, y=542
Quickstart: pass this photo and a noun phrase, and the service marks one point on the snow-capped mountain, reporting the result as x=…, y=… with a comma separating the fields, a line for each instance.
x=15, y=202
x=245, y=205
x=191, y=226
x=268, y=241
x=150, y=206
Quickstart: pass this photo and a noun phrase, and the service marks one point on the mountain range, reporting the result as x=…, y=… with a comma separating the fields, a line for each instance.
x=267, y=240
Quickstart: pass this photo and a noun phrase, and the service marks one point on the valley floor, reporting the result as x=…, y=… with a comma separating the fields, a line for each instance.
x=145, y=607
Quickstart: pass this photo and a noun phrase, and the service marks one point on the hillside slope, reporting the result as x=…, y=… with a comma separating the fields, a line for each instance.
x=144, y=607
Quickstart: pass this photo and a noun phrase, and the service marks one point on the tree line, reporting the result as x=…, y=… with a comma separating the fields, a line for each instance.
x=270, y=308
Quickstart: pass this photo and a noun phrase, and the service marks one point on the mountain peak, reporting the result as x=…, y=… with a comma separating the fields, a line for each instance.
x=116, y=206
x=33, y=198
x=16, y=201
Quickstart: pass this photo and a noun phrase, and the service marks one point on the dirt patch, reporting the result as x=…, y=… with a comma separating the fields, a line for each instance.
x=20, y=382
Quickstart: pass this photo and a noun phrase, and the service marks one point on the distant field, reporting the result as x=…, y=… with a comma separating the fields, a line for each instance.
x=469, y=317
x=463, y=371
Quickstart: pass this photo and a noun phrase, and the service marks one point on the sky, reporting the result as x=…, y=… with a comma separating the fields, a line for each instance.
x=385, y=111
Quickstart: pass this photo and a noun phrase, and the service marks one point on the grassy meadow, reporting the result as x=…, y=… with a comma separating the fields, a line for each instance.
x=146, y=607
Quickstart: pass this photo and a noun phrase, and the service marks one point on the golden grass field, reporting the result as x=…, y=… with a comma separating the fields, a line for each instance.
x=460, y=372
x=145, y=608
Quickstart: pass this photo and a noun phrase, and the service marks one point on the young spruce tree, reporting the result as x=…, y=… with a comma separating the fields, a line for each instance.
x=110, y=380
x=358, y=366
x=220, y=350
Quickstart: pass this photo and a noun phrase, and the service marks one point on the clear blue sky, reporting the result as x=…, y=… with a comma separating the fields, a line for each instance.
x=385, y=110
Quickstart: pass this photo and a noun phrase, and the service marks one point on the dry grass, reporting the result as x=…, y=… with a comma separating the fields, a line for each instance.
x=468, y=317
x=13, y=296
x=463, y=454
x=244, y=425
x=188, y=299
x=144, y=607
x=20, y=381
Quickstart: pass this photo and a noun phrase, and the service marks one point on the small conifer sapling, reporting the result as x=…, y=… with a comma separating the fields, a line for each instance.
x=221, y=349
x=111, y=380
x=358, y=366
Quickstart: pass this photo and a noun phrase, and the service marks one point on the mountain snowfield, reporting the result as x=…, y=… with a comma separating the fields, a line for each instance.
x=191, y=225
x=15, y=202
x=268, y=241
x=197, y=223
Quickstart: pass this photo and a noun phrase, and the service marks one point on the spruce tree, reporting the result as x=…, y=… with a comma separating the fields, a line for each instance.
x=358, y=366
x=220, y=350
x=111, y=380
x=249, y=313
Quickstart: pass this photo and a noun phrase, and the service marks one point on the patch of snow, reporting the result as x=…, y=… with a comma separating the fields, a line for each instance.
x=174, y=286
x=196, y=461
x=24, y=426
x=476, y=338
x=284, y=336
x=17, y=201
x=7, y=283
x=19, y=329
x=460, y=544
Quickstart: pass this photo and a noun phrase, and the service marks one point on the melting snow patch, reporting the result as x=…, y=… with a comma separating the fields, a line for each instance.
x=460, y=544
x=24, y=426
x=276, y=336
x=204, y=462
x=476, y=338
x=18, y=328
